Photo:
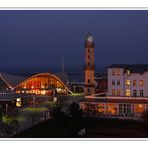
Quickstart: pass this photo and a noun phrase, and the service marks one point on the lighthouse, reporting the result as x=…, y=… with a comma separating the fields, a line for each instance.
x=89, y=85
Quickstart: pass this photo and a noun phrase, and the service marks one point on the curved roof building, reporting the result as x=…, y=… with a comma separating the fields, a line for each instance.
x=42, y=83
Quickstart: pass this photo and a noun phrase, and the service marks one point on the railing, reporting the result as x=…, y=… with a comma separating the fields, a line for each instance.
x=91, y=67
x=110, y=97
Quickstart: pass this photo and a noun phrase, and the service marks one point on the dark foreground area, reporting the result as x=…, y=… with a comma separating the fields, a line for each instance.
x=95, y=128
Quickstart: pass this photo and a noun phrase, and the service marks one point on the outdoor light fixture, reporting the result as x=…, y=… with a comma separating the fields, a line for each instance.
x=18, y=102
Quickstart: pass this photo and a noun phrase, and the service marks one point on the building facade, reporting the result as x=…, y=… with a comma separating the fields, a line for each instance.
x=39, y=84
x=128, y=80
x=114, y=107
x=127, y=94
x=101, y=84
x=89, y=86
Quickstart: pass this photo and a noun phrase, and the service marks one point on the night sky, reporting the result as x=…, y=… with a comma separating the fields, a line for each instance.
x=41, y=38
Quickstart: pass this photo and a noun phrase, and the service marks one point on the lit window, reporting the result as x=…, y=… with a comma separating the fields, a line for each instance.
x=113, y=82
x=139, y=108
x=42, y=86
x=43, y=92
x=141, y=82
x=18, y=102
x=127, y=93
x=118, y=82
x=113, y=92
x=127, y=82
x=128, y=72
x=134, y=83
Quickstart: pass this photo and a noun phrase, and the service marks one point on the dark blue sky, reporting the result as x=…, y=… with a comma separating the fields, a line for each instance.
x=41, y=38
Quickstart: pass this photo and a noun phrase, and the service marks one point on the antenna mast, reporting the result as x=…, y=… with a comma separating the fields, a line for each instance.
x=62, y=64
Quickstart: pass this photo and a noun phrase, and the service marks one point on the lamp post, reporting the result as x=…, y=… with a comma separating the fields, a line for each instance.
x=6, y=109
x=33, y=101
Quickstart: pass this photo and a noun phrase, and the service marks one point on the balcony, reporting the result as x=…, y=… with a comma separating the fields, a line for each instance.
x=89, y=67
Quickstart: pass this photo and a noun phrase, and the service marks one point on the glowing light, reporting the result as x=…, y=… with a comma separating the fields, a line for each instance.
x=55, y=99
x=42, y=86
x=140, y=105
x=18, y=102
x=43, y=92
x=59, y=89
x=127, y=82
x=128, y=92
x=128, y=72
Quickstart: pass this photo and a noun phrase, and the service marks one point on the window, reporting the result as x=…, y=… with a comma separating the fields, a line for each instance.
x=118, y=82
x=113, y=92
x=118, y=72
x=141, y=93
x=113, y=72
x=88, y=63
x=88, y=56
x=88, y=81
x=127, y=93
x=113, y=82
x=118, y=92
x=127, y=82
x=134, y=93
x=128, y=72
x=134, y=83
x=141, y=82
x=18, y=102
x=139, y=108
x=88, y=90
x=88, y=50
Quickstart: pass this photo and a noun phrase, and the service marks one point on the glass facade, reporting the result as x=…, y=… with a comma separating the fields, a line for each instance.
x=42, y=84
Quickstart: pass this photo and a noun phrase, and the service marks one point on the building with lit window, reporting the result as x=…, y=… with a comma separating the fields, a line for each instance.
x=127, y=94
x=39, y=84
x=128, y=80
x=17, y=91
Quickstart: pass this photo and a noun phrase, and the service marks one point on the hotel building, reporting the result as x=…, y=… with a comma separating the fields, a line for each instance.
x=127, y=94
x=128, y=80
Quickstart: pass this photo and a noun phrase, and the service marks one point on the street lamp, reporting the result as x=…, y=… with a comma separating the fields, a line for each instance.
x=6, y=109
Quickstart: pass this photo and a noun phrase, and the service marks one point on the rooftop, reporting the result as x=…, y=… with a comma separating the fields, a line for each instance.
x=135, y=68
x=14, y=80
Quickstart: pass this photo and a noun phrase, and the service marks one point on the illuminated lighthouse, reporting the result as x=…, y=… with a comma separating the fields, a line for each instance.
x=89, y=86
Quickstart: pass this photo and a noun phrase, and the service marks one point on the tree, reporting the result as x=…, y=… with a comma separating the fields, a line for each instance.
x=51, y=106
x=9, y=125
x=75, y=111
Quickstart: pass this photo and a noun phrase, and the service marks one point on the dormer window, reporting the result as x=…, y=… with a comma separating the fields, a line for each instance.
x=113, y=72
